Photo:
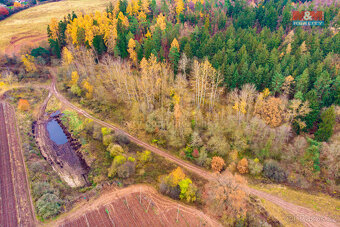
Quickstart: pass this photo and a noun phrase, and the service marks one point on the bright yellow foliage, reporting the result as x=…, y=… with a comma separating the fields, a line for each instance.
x=148, y=35
x=176, y=176
x=67, y=56
x=179, y=7
x=161, y=21
x=74, y=78
x=29, y=64
x=131, y=50
x=54, y=28
x=89, y=89
x=175, y=44
x=106, y=25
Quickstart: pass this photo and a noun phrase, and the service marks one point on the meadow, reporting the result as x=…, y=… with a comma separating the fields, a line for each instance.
x=29, y=26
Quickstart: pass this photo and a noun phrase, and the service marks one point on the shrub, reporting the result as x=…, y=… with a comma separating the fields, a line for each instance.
x=122, y=139
x=195, y=153
x=126, y=170
x=115, y=150
x=217, y=164
x=23, y=105
x=273, y=171
x=117, y=161
x=106, y=131
x=242, y=166
x=49, y=205
x=41, y=188
x=144, y=157
x=188, y=190
x=108, y=139
x=255, y=167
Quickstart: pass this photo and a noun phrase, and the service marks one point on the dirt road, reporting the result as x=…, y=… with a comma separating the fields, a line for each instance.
x=15, y=201
x=304, y=215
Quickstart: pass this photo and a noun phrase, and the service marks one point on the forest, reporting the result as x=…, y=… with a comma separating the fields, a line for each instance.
x=222, y=84
x=226, y=85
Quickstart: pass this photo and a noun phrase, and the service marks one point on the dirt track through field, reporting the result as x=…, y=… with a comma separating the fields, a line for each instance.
x=15, y=202
x=305, y=215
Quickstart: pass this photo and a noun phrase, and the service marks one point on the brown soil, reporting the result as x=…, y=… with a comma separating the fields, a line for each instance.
x=15, y=201
x=137, y=205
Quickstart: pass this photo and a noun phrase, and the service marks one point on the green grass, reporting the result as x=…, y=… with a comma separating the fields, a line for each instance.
x=31, y=24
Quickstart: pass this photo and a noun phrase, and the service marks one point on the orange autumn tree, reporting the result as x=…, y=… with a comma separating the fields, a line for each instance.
x=217, y=163
x=242, y=166
x=23, y=105
x=17, y=4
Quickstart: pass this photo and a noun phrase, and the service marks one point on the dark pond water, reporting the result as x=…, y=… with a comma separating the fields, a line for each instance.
x=56, y=132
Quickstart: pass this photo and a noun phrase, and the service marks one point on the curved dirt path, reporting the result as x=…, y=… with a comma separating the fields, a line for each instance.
x=305, y=215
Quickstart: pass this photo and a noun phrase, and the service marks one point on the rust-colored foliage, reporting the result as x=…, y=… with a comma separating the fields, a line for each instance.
x=242, y=166
x=217, y=163
x=23, y=105
x=271, y=111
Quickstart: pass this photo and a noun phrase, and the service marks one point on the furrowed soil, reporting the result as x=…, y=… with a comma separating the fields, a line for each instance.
x=15, y=203
x=138, y=205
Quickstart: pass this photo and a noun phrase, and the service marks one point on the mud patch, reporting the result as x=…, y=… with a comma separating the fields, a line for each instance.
x=61, y=153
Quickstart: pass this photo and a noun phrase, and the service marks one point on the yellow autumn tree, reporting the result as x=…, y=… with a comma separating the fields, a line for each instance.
x=53, y=26
x=179, y=8
x=74, y=78
x=29, y=64
x=145, y=6
x=89, y=89
x=132, y=52
x=175, y=44
x=161, y=21
x=67, y=56
x=176, y=176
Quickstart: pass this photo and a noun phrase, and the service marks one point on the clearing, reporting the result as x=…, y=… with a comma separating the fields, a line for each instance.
x=28, y=27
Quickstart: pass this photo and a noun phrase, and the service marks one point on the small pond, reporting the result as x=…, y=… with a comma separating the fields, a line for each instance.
x=56, y=132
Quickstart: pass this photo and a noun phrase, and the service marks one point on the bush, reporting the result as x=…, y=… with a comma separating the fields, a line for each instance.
x=255, y=167
x=126, y=170
x=144, y=157
x=41, y=188
x=242, y=166
x=171, y=191
x=217, y=164
x=273, y=171
x=117, y=161
x=122, y=139
x=107, y=139
x=115, y=150
x=49, y=205
x=188, y=190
